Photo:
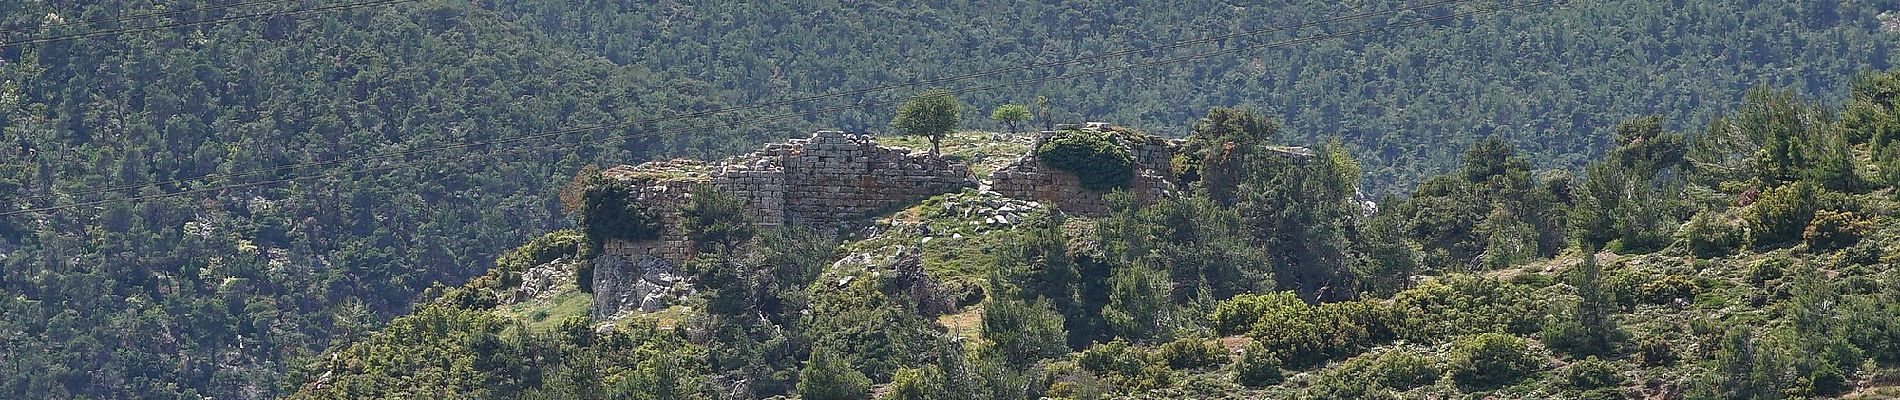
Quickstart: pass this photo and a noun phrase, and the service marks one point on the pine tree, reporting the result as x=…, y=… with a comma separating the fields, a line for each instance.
x=1593, y=309
x=1138, y=304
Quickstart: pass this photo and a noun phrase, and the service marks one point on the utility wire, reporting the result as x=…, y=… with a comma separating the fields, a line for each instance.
x=1284, y=43
x=726, y=110
x=213, y=21
x=131, y=17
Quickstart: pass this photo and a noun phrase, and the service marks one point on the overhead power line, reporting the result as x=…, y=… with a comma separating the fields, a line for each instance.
x=394, y=166
x=726, y=110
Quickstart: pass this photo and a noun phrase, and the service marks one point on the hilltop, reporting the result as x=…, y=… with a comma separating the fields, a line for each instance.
x=1100, y=261
x=200, y=209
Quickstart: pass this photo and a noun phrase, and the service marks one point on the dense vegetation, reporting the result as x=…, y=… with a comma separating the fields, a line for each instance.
x=1753, y=259
x=221, y=292
x=1405, y=102
x=212, y=294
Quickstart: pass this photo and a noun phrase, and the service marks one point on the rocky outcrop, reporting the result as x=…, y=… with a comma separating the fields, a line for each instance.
x=645, y=284
x=542, y=282
x=902, y=268
x=1029, y=179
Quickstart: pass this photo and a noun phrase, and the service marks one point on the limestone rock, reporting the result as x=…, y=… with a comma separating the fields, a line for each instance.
x=647, y=284
x=541, y=282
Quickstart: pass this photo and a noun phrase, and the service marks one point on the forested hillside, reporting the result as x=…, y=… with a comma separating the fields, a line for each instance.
x=219, y=292
x=1754, y=259
x=1544, y=78
x=209, y=294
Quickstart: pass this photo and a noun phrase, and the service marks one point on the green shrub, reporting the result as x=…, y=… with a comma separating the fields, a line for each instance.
x=1711, y=236
x=1151, y=377
x=1835, y=229
x=1866, y=253
x=1380, y=375
x=1114, y=357
x=1237, y=315
x=470, y=297
x=1563, y=333
x=1491, y=359
x=1073, y=385
x=1655, y=351
x=1257, y=367
x=1767, y=269
x=608, y=211
x=1781, y=214
x=909, y=384
x=1093, y=157
x=1400, y=369
x=1309, y=335
x=1826, y=380
x=1669, y=289
x=829, y=377
x=1592, y=373
x=1023, y=332
x=1462, y=305
x=1190, y=353
x=541, y=250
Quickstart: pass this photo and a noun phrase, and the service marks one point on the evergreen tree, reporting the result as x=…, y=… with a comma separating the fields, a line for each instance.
x=1138, y=304
x=716, y=221
x=1586, y=329
x=1022, y=333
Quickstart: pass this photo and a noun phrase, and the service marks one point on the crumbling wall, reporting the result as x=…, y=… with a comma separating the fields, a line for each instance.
x=664, y=197
x=835, y=177
x=1029, y=179
x=823, y=181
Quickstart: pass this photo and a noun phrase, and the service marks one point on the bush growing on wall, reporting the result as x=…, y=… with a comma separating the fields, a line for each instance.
x=609, y=212
x=1093, y=157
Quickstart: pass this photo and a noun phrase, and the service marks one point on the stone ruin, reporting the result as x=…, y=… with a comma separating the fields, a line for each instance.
x=1029, y=179
x=823, y=181
x=833, y=178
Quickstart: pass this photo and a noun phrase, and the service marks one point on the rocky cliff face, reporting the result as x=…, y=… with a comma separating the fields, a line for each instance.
x=644, y=284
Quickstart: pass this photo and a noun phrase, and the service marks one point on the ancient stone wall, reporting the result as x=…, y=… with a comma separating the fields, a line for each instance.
x=1029, y=179
x=834, y=177
x=820, y=182
x=664, y=196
